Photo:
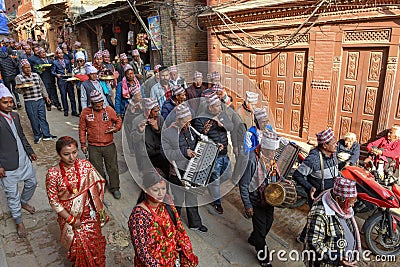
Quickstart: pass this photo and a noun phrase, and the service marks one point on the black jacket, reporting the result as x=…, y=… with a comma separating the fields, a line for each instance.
x=216, y=133
x=8, y=144
x=8, y=66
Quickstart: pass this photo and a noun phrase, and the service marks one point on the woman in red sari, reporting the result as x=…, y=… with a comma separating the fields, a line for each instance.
x=157, y=232
x=76, y=192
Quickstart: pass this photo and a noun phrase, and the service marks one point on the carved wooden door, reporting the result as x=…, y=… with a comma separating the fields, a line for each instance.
x=360, y=93
x=283, y=84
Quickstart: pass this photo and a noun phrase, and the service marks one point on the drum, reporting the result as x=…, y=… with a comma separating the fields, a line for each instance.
x=280, y=194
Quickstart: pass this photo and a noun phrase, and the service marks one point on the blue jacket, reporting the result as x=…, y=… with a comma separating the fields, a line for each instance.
x=354, y=151
x=120, y=101
x=46, y=75
x=57, y=68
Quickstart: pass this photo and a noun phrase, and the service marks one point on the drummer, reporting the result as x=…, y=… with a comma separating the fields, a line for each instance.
x=260, y=148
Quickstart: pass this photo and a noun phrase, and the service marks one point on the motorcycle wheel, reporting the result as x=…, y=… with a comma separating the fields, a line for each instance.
x=377, y=239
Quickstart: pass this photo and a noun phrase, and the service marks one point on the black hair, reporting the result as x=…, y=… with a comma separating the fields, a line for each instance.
x=65, y=141
x=150, y=178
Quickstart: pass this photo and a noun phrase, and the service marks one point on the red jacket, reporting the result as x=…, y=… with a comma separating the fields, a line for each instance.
x=93, y=124
x=390, y=149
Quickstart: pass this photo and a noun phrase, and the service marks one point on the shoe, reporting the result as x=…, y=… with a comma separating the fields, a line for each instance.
x=37, y=141
x=75, y=114
x=117, y=194
x=201, y=228
x=218, y=209
x=49, y=108
x=59, y=108
x=298, y=240
x=251, y=242
x=19, y=106
x=66, y=114
x=50, y=138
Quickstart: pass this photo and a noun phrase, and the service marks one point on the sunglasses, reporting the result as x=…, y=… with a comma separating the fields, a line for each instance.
x=79, y=60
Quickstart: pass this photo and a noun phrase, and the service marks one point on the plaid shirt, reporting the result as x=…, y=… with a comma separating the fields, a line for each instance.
x=323, y=233
x=38, y=91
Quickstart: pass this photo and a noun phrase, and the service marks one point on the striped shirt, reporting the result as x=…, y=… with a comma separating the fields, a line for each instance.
x=38, y=91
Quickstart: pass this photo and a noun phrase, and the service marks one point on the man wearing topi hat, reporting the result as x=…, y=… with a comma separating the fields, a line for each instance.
x=332, y=231
x=126, y=89
x=16, y=155
x=178, y=143
x=94, y=84
x=97, y=126
x=178, y=97
x=35, y=98
x=215, y=124
x=146, y=136
x=310, y=174
x=138, y=67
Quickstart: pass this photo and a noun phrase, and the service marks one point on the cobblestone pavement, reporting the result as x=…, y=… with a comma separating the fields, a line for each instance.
x=225, y=244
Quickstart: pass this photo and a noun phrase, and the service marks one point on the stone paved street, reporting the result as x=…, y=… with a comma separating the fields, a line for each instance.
x=224, y=245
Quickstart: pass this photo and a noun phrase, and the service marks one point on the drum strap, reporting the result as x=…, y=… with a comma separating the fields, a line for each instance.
x=322, y=171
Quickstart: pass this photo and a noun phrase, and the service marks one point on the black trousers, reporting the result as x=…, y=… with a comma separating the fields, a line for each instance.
x=183, y=196
x=262, y=219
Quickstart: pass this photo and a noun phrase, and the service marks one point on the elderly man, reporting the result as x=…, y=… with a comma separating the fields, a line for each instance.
x=318, y=170
x=34, y=99
x=94, y=84
x=60, y=68
x=195, y=90
x=126, y=89
x=215, y=124
x=97, y=126
x=162, y=90
x=178, y=144
x=386, y=148
x=138, y=67
x=331, y=223
x=146, y=136
x=175, y=78
x=178, y=97
x=15, y=161
x=252, y=183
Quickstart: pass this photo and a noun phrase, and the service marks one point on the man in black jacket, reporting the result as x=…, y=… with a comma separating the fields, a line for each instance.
x=15, y=161
x=215, y=124
x=9, y=69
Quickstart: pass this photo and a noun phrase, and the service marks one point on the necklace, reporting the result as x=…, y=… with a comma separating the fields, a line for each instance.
x=67, y=183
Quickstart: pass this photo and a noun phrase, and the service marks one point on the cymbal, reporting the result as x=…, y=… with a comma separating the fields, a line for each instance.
x=24, y=85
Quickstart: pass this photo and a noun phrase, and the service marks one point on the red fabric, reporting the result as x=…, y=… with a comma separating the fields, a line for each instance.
x=86, y=246
x=156, y=239
x=390, y=149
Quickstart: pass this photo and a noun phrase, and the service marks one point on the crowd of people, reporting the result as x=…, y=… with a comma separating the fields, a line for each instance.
x=165, y=117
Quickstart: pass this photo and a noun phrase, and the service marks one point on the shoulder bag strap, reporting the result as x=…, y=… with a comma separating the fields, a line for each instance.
x=322, y=171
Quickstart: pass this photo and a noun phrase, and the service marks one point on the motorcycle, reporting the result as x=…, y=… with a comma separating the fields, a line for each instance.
x=380, y=229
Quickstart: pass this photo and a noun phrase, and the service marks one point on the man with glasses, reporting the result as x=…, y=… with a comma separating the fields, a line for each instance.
x=318, y=170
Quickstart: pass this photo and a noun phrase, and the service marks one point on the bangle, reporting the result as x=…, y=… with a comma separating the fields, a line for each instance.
x=70, y=220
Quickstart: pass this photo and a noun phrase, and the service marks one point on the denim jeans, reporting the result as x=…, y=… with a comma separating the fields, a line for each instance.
x=67, y=88
x=36, y=111
x=222, y=171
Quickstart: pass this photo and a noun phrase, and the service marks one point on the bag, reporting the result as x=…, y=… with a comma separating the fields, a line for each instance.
x=104, y=218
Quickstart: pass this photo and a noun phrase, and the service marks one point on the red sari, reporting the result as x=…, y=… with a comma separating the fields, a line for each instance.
x=157, y=240
x=86, y=246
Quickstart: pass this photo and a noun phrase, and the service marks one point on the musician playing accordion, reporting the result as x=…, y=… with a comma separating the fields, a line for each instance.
x=215, y=124
x=260, y=144
x=178, y=144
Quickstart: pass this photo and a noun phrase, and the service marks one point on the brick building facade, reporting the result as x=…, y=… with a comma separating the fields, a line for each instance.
x=316, y=63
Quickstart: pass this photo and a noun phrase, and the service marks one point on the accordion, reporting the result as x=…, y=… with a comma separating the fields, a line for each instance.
x=200, y=167
x=286, y=157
